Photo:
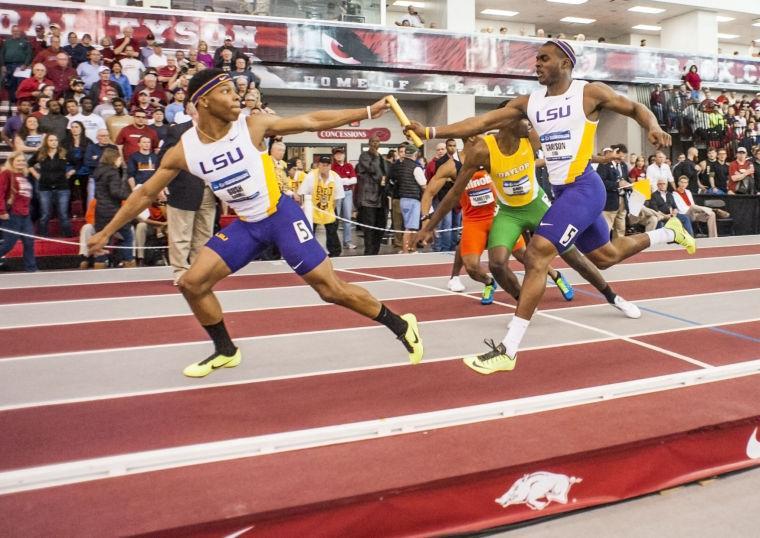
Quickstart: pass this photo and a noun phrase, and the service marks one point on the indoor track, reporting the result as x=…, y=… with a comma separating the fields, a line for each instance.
x=325, y=429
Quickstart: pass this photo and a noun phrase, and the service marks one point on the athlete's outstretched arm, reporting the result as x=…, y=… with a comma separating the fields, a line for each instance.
x=140, y=199
x=320, y=120
x=496, y=119
x=475, y=156
x=447, y=171
x=607, y=98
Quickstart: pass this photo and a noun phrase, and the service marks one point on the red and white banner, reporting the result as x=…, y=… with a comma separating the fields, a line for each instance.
x=372, y=47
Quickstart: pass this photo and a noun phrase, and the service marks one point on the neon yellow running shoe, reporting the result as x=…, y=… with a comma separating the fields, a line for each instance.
x=682, y=236
x=211, y=363
x=492, y=361
x=411, y=339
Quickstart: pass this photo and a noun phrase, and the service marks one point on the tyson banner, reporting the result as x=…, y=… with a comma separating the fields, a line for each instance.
x=373, y=47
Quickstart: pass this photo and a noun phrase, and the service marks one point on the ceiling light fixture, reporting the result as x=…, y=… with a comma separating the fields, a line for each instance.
x=647, y=27
x=573, y=2
x=644, y=9
x=727, y=36
x=407, y=3
x=723, y=18
x=499, y=12
x=577, y=20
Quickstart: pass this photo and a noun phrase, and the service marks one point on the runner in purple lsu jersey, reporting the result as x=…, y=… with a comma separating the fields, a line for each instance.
x=565, y=115
x=227, y=151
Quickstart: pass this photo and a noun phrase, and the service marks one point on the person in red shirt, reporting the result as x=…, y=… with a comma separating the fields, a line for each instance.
x=47, y=56
x=167, y=72
x=121, y=43
x=31, y=88
x=38, y=41
x=128, y=138
x=15, y=200
x=345, y=207
x=741, y=173
x=61, y=73
x=693, y=82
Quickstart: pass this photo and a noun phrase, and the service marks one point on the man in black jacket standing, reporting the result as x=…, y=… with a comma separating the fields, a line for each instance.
x=614, y=174
x=191, y=206
x=371, y=176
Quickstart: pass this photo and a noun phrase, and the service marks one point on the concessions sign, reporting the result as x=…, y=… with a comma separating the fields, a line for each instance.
x=355, y=134
x=282, y=41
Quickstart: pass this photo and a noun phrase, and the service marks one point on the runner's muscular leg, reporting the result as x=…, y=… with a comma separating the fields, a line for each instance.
x=334, y=290
x=519, y=255
x=618, y=250
x=585, y=268
x=538, y=256
x=197, y=283
x=498, y=258
x=474, y=269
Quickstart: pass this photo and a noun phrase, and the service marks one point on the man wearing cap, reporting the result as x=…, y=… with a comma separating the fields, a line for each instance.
x=38, y=42
x=741, y=174
x=227, y=46
x=409, y=179
x=89, y=71
x=147, y=51
x=99, y=90
x=158, y=58
x=345, y=207
x=127, y=40
x=326, y=189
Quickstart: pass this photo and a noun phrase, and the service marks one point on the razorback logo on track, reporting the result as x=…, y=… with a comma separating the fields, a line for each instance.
x=532, y=488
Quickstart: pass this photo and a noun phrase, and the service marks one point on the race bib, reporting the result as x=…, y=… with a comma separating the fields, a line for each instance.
x=235, y=187
x=517, y=188
x=556, y=146
x=481, y=197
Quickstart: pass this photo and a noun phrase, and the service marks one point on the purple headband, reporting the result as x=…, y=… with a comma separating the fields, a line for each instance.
x=564, y=47
x=208, y=86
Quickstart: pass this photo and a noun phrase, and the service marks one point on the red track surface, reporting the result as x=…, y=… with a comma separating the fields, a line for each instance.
x=128, y=289
x=177, y=329
x=372, y=479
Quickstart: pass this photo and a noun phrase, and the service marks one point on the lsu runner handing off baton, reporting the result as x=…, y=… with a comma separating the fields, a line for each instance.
x=227, y=151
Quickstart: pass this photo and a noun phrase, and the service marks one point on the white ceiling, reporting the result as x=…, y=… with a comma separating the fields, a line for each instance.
x=612, y=16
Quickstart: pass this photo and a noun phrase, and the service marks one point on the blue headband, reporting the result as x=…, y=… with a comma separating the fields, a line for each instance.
x=565, y=47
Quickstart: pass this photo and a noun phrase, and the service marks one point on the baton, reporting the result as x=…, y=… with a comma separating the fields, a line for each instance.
x=403, y=120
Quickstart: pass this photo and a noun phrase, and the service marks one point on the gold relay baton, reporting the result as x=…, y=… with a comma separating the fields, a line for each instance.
x=403, y=120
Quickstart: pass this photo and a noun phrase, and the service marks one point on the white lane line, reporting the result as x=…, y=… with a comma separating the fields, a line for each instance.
x=45, y=476
x=251, y=381
x=6, y=282
x=132, y=311
x=580, y=325
x=302, y=333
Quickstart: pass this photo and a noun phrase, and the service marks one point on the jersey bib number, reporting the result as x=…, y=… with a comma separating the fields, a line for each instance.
x=303, y=231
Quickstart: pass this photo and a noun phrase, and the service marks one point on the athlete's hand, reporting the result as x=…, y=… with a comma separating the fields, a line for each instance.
x=415, y=127
x=378, y=108
x=96, y=243
x=659, y=138
x=424, y=236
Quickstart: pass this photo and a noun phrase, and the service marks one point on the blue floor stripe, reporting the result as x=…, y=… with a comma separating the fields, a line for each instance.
x=684, y=320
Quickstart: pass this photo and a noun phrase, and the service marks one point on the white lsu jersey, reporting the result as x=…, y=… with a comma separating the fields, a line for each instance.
x=237, y=171
x=566, y=134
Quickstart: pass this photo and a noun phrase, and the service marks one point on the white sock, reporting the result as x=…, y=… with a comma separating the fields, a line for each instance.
x=515, y=333
x=661, y=236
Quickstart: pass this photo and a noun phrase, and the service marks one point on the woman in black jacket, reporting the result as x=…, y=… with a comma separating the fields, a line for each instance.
x=110, y=191
x=50, y=168
x=76, y=147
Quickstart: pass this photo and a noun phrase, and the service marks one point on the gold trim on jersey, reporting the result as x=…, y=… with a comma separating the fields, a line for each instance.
x=585, y=151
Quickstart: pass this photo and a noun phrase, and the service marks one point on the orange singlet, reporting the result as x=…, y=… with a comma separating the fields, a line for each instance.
x=478, y=203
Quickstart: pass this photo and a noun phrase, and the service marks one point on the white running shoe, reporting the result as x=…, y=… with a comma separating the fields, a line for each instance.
x=629, y=309
x=456, y=285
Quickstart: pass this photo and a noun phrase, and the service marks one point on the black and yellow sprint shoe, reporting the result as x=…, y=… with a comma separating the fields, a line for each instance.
x=411, y=339
x=211, y=363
